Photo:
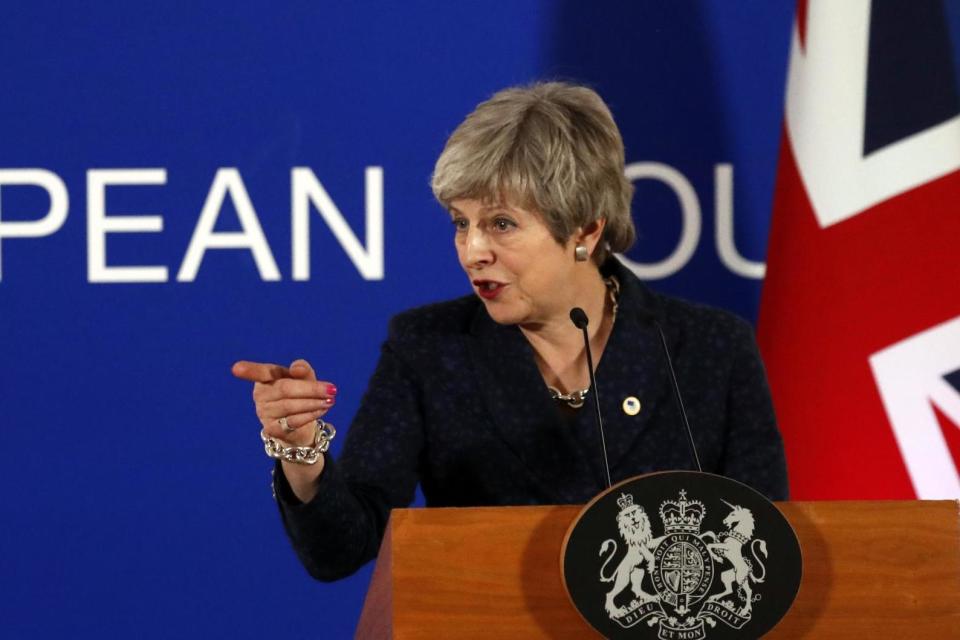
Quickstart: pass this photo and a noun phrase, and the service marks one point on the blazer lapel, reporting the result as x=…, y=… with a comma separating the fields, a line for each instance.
x=525, y=416
x=632, y=367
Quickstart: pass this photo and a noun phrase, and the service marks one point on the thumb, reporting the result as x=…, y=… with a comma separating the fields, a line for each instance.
x=302, y=370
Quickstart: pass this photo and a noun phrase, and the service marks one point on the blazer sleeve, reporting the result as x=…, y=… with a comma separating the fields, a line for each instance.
x=754, y=449
x=340, y=529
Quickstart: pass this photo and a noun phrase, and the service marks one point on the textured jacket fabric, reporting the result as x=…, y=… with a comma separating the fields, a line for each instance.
x=457, y=404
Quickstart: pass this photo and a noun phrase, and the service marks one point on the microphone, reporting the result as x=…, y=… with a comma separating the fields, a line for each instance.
x=649, y=317
x=579, y=318
x=580, y=321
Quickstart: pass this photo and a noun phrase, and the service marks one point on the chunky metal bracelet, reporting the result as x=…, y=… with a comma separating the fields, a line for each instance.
x=280, y=450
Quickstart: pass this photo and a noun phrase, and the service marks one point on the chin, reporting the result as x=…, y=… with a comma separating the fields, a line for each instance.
x=504, y=314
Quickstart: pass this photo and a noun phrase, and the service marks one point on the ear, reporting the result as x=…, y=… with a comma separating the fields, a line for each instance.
x=590, y=235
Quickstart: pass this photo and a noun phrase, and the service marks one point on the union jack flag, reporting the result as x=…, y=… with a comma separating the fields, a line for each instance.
x=860, y=313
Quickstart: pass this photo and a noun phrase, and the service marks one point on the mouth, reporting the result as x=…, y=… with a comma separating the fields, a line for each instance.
x=488, y=289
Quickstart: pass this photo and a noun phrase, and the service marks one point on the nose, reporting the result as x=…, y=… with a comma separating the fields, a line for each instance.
x=476, y=250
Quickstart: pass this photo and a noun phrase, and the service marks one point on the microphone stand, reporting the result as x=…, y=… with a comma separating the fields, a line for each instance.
x=580, y=320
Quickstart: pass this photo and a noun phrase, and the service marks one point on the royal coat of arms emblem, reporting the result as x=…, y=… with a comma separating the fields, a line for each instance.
x=668, y=571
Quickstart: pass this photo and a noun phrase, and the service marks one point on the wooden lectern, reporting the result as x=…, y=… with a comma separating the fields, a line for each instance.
x=870, y=570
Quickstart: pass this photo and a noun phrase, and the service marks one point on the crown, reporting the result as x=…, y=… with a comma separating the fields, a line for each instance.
x=683, y=516
x=625, y=501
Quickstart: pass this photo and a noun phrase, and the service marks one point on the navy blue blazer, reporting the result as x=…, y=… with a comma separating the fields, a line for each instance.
x=457, y=404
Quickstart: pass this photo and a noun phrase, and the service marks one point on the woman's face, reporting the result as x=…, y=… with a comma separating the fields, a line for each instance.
x=522, y=274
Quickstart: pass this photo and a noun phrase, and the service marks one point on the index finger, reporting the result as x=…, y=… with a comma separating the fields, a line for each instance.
x=259, y=371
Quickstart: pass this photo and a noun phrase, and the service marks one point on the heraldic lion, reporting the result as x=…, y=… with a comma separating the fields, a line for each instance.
x=636, y=533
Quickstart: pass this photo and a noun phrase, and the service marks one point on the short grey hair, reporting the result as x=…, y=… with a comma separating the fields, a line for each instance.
x=551, y=147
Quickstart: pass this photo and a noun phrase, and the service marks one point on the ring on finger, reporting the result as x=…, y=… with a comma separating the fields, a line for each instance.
x=286, y=427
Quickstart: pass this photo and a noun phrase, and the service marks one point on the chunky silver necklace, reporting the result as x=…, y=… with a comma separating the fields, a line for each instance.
x=577, y=397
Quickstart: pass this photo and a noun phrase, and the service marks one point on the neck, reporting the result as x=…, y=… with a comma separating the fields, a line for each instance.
x=558, y=344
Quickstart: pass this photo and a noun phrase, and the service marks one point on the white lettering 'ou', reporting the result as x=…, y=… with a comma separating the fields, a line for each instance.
x=691, y=217
x=689, y=210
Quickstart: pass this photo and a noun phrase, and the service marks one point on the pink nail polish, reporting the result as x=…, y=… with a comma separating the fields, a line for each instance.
x=332, y=389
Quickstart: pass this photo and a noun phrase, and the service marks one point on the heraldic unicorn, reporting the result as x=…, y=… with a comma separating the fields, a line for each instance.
x=670, y=578
x=739, y=532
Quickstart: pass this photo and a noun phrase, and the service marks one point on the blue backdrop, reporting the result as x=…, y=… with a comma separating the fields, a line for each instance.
x=136, y=498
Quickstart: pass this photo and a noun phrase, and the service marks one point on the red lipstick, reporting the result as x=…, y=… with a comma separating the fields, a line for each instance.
x=488, y=289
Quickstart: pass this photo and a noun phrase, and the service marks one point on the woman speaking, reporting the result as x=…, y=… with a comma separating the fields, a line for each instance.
x=482, y=400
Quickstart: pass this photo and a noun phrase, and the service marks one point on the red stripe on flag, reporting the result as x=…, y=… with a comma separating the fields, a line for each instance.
x=832, y=298
x=802, y=22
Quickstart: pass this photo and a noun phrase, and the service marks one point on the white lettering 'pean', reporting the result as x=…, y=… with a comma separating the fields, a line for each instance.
x=47, y=224
x=228, y=181
x=99, y=224
x=306, y=190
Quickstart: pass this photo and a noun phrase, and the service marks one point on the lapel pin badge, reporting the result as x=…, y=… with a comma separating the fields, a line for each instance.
x=631, y=406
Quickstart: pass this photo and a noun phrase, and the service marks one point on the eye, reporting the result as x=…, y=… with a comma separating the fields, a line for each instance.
x=503, y=224
x=460, y=224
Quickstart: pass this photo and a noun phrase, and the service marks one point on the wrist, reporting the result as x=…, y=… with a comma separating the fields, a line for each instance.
x=303, y=481
x=310, y=454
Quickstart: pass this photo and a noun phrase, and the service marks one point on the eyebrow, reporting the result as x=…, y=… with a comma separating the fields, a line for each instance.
x=486, y=209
